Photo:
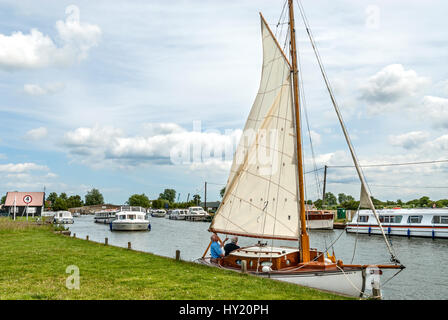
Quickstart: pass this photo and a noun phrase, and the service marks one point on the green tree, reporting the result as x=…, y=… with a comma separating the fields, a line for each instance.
x=342, y=197
x=3, y=200
x=318, y=203
x=222, y=192
x=168, y=194
x=94, y=197
x=424, y=202
x=139, y=200
x=330, y=199
x=74, y=202
x=59, y=204
x=196, y=199
x=52, y=197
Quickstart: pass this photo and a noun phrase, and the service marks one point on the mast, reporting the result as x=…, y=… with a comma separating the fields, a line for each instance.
x=304, y=238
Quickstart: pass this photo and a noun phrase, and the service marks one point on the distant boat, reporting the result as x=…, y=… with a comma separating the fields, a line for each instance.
x=429, y=223
x=130, y=219
x=319, y=219
x=63, y=217
x=159, y=213
x=105, y=216
x=197, y=214
x=178, y=214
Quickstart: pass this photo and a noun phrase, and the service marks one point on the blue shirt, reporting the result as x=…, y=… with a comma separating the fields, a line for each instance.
x=215, y=250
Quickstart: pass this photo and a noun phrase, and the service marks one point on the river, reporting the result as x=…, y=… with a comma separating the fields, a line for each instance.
x=425, y=259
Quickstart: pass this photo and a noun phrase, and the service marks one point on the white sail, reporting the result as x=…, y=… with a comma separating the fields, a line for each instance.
x=261, y=198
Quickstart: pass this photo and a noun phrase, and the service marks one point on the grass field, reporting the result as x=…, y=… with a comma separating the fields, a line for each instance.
x=34, y=260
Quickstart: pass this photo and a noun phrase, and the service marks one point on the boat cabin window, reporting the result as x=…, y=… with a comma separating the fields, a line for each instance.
x=131, y=216
x=440, y=219
x=415, y=219
x=390, y=219
x=363, y=218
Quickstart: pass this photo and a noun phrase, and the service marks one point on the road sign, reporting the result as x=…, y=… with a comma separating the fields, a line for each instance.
x=27, y=199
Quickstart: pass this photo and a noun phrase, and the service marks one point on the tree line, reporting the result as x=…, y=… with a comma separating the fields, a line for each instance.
x=94, y=197
x=166, y=200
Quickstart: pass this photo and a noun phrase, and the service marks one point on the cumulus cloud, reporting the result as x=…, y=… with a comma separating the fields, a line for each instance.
x=35, y=50
x=161, y=144
x=390, y=85
x=36, y=134
x=409, y=140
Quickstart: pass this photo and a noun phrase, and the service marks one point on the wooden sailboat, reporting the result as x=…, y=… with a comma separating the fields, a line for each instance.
x=264, y=196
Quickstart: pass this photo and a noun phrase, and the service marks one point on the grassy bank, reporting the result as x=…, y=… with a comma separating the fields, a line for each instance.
x=33, y=262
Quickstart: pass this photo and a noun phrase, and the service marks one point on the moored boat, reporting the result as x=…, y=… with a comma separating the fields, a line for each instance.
x=178, y=214
x=63, y=217
x=429, y=223
x=105, y=216
x=159, y=213
x=319, y=219
x=130, y=219
x=197, y=214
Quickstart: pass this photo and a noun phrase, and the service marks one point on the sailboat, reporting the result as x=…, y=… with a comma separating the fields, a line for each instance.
x=264, y=196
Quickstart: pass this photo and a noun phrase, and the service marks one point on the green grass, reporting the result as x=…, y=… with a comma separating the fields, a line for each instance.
x=33, y=264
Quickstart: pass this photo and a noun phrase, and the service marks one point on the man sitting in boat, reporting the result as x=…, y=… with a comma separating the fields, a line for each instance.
x=215, y=249
x=232, y=246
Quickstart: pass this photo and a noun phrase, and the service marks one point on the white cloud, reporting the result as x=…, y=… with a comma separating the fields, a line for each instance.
x=21, y=167
x=36, y=134
x=38, y=90
x=409, y=140
x=162, y=144
x=435, y=109
x=390, y=85
x=36, y=50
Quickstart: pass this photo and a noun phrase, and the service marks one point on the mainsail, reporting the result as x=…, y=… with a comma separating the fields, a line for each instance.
x=261, y=198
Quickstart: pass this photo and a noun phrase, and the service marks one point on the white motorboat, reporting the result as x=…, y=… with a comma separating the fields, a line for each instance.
x=105, y=216
x=429, y=223
x=178, y=214
x=159, y=213
x=130, y=219
x=63, y=217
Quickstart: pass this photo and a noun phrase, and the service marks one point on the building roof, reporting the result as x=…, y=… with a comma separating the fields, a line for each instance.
x=36, y=198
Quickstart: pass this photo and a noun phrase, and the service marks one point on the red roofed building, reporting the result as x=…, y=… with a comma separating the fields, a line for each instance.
x=23, y=202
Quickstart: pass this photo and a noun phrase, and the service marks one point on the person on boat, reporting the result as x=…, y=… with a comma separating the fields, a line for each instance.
x=232, y=246
x=215, y=249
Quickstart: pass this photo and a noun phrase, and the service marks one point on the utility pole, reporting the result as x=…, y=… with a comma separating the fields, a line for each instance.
x=325, y=185
x=205, y=197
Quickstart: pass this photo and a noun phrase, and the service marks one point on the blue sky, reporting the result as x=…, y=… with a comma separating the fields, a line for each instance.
x=100, y=93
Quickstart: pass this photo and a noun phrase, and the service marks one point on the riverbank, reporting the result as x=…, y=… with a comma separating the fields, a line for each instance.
x=34, y=261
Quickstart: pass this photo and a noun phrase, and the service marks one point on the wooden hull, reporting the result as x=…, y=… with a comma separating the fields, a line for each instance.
x=352, y=282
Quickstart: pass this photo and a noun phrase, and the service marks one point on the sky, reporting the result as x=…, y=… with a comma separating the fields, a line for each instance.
x=114, y=94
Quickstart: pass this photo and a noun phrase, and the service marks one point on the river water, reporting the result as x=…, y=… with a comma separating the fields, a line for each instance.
x=425, y=276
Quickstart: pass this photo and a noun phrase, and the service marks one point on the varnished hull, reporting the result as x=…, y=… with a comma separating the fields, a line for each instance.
x=354, y=282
